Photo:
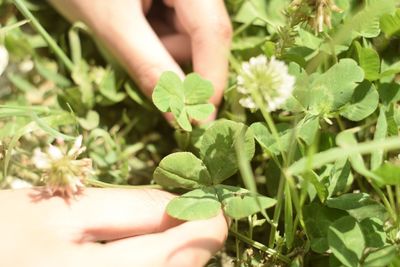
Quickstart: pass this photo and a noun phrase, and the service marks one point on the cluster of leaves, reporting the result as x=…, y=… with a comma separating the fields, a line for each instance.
x=320, y=188
x=42, y=97
x=218, y=161
x=346, y=86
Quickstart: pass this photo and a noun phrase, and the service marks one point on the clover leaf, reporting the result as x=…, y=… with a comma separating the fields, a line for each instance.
x=217, y=161
x=217, y=148
x=187, y=100
x=322, y=94
x=182, y=169
x=206, y=202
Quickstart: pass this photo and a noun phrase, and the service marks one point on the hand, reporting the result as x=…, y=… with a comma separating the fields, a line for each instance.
x=52, y=232
x=197, y=29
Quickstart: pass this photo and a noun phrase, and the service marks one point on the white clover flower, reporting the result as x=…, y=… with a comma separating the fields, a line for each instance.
x=62, y=172
x=269, y=78
x=4, y=57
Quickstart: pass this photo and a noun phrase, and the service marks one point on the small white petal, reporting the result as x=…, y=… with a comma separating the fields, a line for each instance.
x=26, y=66
x=76, y=148
x=40, y=159
x=4, y=57
x=55, y=153
x=248, y=103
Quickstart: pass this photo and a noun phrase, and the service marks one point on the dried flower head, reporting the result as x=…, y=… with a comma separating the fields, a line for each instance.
x=267, y=78
x=322, y=10
x=62, y=172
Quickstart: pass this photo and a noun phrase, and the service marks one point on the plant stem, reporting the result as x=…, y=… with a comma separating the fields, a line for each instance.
x=277, y=211
x=97, y=183
x=398, y=203
x=50, y=41
x=390, y=196
x=237, y=244
x=385, y=201
x=260, y=246
x=340, y=123
x=250, y=221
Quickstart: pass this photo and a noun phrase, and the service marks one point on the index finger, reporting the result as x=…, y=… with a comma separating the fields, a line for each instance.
x=210, y=30
x=189, y=244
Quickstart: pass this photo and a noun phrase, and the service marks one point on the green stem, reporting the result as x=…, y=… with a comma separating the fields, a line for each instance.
x=50, y=41
x=340, y=123
x=260, y=246
x=398, y=203
x=97, y=183
x=277, y=211
x=390, y=196
x=250, y=220
x=237, y=244
x=385, y=201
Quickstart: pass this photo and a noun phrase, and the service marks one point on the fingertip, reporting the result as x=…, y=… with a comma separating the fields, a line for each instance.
x=200, y=240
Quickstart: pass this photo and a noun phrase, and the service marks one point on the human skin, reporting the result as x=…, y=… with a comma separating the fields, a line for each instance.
x=47, y=232
x=195, y=30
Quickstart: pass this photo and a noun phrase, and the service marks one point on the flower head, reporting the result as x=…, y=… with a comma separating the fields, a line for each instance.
x=267, y=78
x=62, y=172
x=322, y=10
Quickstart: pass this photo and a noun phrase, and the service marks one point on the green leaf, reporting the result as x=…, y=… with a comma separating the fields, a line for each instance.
x=320, y=188
x=183, y=170
x=108, y=87
x=364, y=102
x=201, y=111
x=346, y=139
x=389, y=173
x=366, y=22
x=91, y=121
x=346, y=241
x=178, y=109
x=196, y=89
x=358, y=205
x=169, y=86
x=390, y=24
x=199, y=204
x=340, y=82
x=322, y=94
x=217, y=149
x=253, y=11
x=340, y=177
x=187, y=100
x=307, y=128
x=308, y=39
x=381, y=257
x=374, y=235
x=333, y=154
x=240, y=203
x=81, y=77
x=21, y=83
x=137, y=96
x=317, y=219
x=51, y=75
x=244, y=43
x=389, y=93
x=267, y=141
x=380, y=134
x=369, y=60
